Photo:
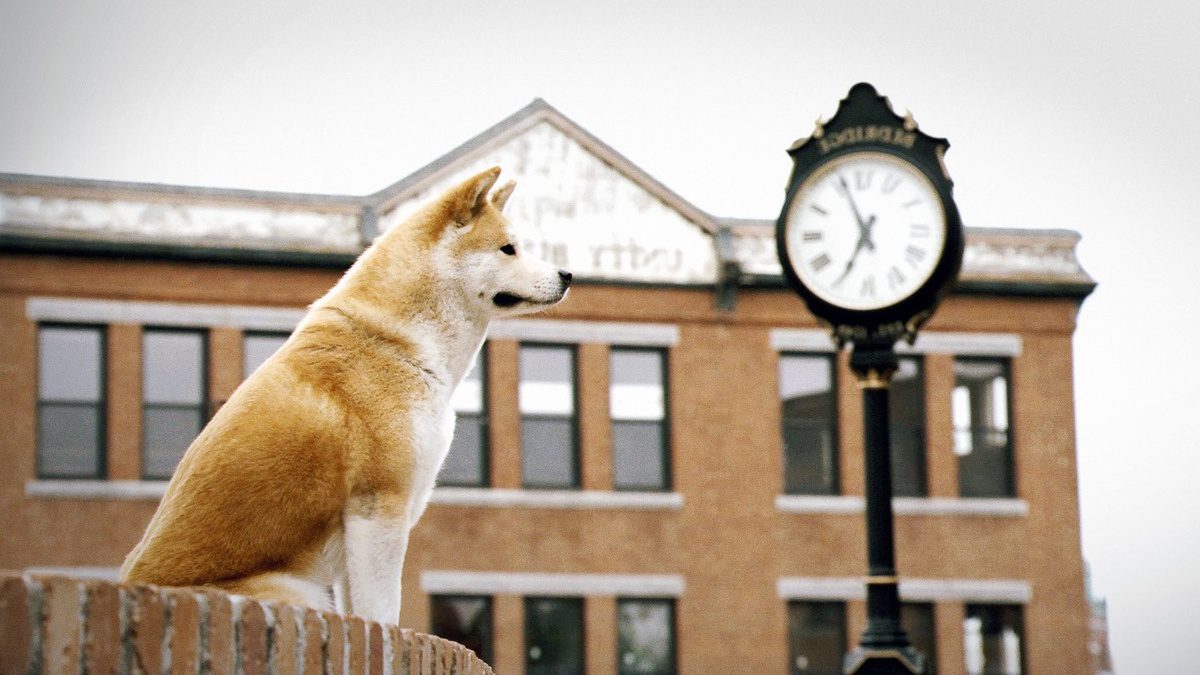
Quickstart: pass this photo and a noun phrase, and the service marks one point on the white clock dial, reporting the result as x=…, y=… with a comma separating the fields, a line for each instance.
x=865, y=231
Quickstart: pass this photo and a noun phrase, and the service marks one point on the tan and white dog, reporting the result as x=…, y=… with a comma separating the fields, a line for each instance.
x=304, y=486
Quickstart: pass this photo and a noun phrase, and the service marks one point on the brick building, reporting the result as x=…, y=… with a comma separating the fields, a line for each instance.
x=663, y=473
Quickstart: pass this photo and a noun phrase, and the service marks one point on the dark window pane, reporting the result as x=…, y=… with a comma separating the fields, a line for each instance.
x=548, y=452
x=465, y=620
x=816, y=637
x=173, y=367
x=69, y=440
x=464, y=463
x=70, y=364
x=646, y=636
x=993, y=637
x=257, y=348
x=553, y=636
x=809, y=458
x=917, y=620
x=808, y=410
x=638, y=455
x=906, y=412
x=167, y=431
x=982, y=441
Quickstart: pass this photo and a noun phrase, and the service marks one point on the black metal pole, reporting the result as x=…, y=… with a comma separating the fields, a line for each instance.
x=884, y=647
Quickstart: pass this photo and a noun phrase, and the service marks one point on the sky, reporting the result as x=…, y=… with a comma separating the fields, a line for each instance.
x=1074, y=114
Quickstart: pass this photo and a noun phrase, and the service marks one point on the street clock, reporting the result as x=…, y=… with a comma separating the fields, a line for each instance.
x=869, y=235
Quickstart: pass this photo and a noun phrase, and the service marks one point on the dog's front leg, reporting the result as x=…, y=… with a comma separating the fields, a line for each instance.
x=375, y=547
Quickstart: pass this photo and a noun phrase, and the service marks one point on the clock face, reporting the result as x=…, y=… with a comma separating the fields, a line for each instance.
x=865, y=231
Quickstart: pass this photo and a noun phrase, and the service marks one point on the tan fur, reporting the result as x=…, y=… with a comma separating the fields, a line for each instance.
x=324, y=430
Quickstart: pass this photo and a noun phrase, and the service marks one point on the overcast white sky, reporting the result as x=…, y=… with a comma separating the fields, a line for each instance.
x=1080, y=115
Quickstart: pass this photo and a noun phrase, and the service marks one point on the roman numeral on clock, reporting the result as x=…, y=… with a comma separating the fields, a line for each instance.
x=914, y=255
x=813, y=235
x=890, y=183
x=820, y=262
x=862, y=180
x=895, y=277
x=868, y=287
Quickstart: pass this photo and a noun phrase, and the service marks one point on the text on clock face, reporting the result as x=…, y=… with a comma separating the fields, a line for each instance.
x=865, y=231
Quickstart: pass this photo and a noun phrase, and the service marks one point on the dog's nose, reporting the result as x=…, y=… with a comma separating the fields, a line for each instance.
x=565, y=276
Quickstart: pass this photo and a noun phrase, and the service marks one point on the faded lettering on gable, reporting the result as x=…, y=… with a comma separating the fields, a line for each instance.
x=576, y=211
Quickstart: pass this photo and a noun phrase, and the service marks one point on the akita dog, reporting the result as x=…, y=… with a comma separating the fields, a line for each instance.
x=304, y=486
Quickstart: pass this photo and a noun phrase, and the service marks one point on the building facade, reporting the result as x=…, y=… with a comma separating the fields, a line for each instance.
x=664, y=473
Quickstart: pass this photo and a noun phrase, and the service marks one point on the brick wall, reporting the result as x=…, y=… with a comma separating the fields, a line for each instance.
x=66, y=625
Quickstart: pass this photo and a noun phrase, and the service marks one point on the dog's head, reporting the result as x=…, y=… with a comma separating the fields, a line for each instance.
x=477, y=250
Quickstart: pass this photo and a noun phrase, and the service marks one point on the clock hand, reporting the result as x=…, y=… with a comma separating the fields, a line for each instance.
x=864, y=241
x=863, y=226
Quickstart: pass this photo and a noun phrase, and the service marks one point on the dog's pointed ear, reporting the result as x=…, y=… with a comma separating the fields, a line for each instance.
x=500, y=196
x=468, y=199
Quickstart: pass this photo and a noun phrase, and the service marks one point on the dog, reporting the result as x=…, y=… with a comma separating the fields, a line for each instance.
x=304, y=486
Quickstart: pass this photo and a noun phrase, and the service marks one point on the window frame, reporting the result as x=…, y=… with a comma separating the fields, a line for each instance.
x=1022, y=633
x=101, y=472
x=583, y=637
x=1006, y=369
x=673, y=650
x=930, y=655
x=575, y=452
x=205, y=406
x=789, y=636
x=488, y=643
x=485, y=424
x=836, y=486
x=667, y=482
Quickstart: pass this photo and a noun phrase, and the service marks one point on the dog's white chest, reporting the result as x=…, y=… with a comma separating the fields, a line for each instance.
x=433, y=428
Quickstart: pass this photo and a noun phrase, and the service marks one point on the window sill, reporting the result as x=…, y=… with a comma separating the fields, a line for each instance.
x=126, y=490
x=153, y=490
x=557, y=499
x=1014, y=591
x=904, y=506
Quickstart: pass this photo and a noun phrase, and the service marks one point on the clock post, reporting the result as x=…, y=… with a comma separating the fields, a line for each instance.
x=870, y=238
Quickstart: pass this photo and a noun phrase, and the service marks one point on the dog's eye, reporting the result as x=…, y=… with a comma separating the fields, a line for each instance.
x=508, y=249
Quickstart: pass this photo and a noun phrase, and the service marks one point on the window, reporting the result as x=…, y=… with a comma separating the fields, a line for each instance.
x=549, y=449
x=638, y=404
x=173, y=397
x=816, y=637
x=992, y=640
x=906, y=412
x=917, y=620
x=466, y=463
x=257, y=348
x=645, y=636
x=979, y=408
x=553, y=636
x=71, y=405
x=809, y=411
x=466, y=620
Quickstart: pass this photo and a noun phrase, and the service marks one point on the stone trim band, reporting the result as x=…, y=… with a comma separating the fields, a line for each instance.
x=914, y=590
x=552, y=584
